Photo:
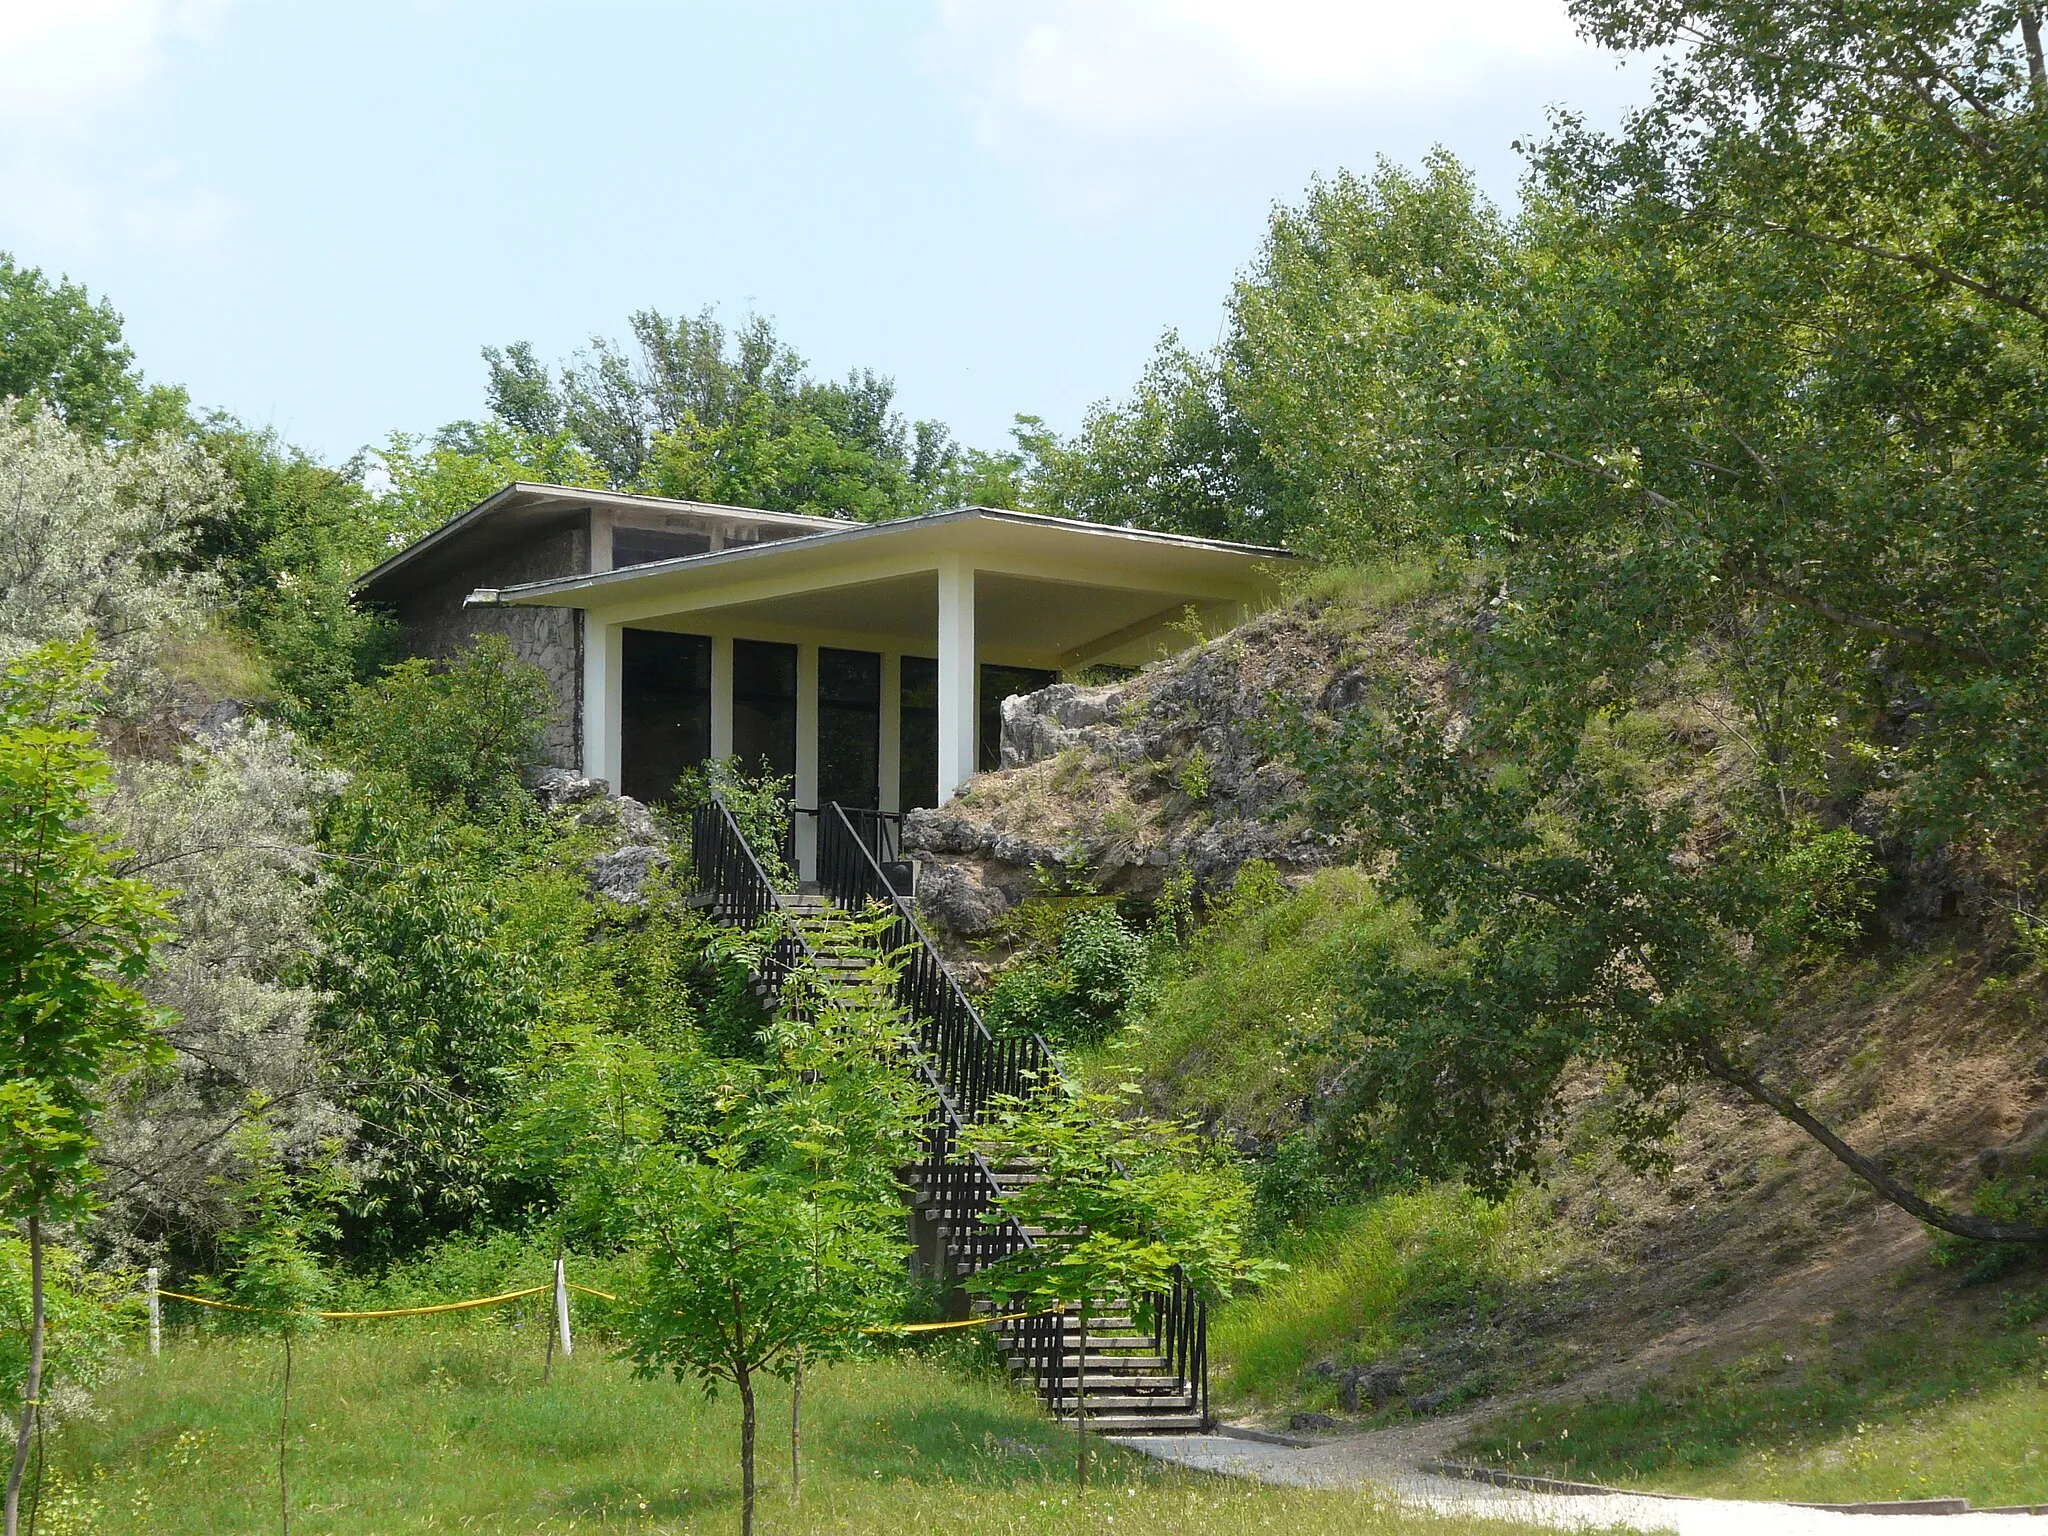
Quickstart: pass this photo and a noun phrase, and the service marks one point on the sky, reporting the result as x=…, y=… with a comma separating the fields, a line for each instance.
x=313, y=215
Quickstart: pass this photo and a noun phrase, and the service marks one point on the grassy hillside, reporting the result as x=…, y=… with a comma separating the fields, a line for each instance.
x=1743, y=1314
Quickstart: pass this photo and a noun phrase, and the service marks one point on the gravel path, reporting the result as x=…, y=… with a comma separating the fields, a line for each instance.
x=1386, y=1461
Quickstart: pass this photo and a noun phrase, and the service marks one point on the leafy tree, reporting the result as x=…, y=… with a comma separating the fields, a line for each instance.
x=434, y=478
x=1299, y=427
x=61, y=351
x=1125, y=1202
x=728, y=1287
x=1578, y=922
x=278, y=1283
x=456, y=735
x=430, y=995
x=284, y=547
x=771, y=1213
x=230, y=823
x=693, y=409
x=93, y=542
x=75, y=939
x=846, y=1112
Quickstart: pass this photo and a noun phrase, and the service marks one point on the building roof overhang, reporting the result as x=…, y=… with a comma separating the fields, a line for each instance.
x=1047, y=587
x=525, y=507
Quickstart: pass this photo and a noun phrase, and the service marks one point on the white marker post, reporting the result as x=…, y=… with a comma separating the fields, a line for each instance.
x=156, y=1316
x=562, y=1308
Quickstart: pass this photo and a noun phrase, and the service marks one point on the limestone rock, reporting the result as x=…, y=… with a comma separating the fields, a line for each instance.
x=623, y=876
x=1123, y=784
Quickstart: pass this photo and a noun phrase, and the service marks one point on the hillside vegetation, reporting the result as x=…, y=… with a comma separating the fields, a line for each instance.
x=1739, y=1313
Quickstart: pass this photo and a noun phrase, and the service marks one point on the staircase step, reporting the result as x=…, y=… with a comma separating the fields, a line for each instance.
x=1143, y=1424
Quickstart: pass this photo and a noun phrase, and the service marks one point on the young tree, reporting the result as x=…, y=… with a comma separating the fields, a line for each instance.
x=1125, y=1202
x=844, y=1112
x=75, y=940
x=727, y=1280
x=278, y=1282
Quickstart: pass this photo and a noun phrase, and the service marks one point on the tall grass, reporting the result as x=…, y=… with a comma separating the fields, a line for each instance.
x=1220, y=1034
x=1923, y=1411
x=1372, y=1281
x=412, y=1431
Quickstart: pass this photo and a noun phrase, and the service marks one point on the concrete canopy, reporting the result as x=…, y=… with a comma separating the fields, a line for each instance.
x=1049, y=591
x=969, y=587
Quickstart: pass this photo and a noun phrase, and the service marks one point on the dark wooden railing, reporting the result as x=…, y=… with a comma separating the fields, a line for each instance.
x=966, y=1067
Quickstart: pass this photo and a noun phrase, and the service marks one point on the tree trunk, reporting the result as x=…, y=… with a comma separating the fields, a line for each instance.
x=746, y=1386
x=796, y=1430
x=32, y=1388
x=284, y=1427
x=1956, y=1223
x=2037, y=69
x=1081, y=1401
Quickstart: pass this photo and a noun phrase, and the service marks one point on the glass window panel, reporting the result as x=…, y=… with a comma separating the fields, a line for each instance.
x=637, y=546
x=918, y=778
x=849, y=728
x=764, y=706
x=665, y=710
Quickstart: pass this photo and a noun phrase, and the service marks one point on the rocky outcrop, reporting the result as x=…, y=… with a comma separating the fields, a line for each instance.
x=1121, y=785
x=621, y=874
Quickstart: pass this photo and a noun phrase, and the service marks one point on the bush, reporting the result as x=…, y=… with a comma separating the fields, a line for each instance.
x=457, y=734
x=1086, y=990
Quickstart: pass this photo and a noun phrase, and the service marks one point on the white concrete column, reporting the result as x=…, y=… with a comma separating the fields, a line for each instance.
x=603, y=669
x=807, y=758
x=889, y=761
x=721, y=695
x=959, y=690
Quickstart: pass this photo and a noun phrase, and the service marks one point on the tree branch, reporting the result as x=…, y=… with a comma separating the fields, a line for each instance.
x=1957, y=1223
x=1918, y=263
x=1906, y=634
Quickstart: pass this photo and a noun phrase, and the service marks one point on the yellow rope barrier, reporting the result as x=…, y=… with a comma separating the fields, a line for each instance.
x=535, y=1290
x=336, y=1317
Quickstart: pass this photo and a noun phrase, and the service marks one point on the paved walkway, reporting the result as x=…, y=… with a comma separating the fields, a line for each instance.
x=1386, y=1462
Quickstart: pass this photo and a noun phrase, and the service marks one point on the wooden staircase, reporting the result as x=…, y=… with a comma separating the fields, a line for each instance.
x=1132, y=1379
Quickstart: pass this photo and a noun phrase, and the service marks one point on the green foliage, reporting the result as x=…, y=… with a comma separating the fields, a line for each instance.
x=760, y=801
x=75, y=936
x=1124, y=1200
x=456, y=735
x=436, y=478
x=1293, y=431
x=698, y=411
x=1225, y=1035
x=285, y=546
x=61, y=350
x=94, y=541
x=429, y=999
x=1370, y=1281
x=1084, y=990
x=92, y=1313
x=278, y=1276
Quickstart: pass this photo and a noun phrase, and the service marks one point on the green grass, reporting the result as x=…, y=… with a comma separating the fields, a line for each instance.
x=413, y=1428
x=1262, y=976
x=1920, y=1413
x=1375, y=1280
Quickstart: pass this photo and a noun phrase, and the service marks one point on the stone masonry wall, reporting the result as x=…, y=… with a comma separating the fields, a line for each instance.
x=436, y=624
